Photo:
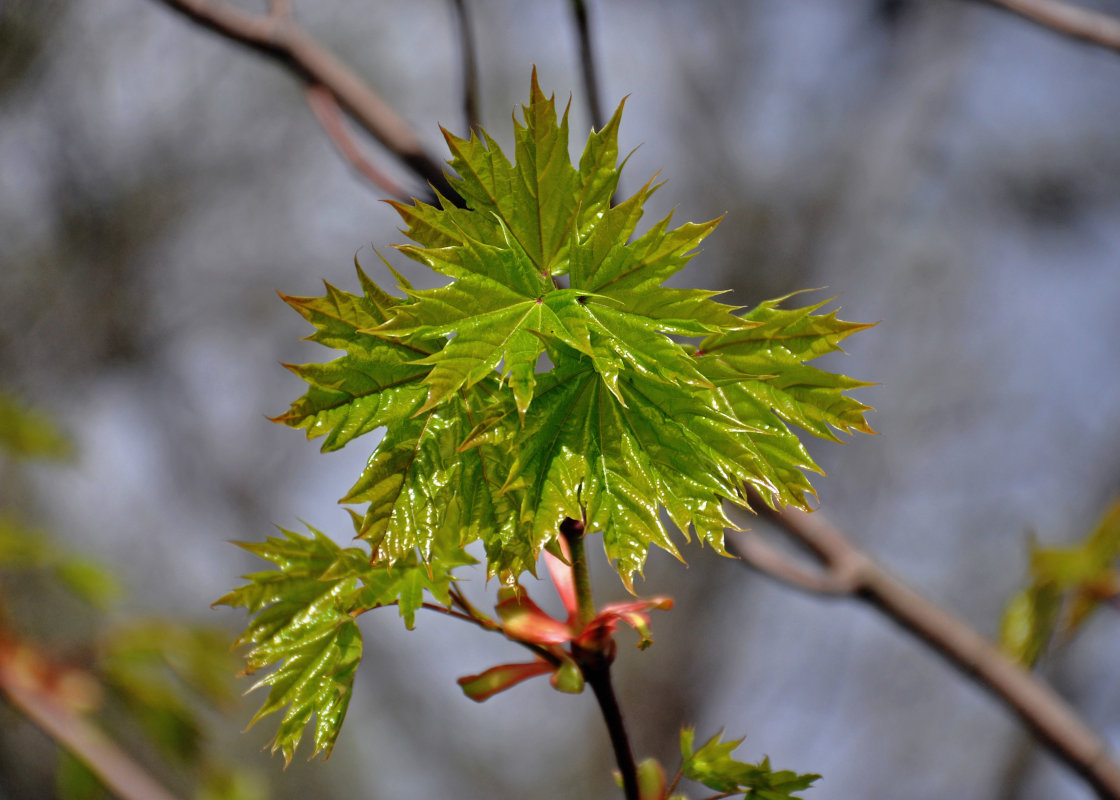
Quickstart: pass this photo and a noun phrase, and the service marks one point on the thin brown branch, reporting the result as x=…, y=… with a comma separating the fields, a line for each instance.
x=1056, y=725
x=41, y=697
x=587, y=63
x=1090, y=26
x=326, y=109
x=285, y=42
x=764, y=557
x=470, y=66
x=279, y=9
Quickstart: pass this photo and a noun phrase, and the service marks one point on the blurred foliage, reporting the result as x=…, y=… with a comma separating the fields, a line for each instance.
x=156, y=679
x=27, y=433
x=1067, y=584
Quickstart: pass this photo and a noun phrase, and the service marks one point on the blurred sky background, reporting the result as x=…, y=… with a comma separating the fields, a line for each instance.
x=939, y=166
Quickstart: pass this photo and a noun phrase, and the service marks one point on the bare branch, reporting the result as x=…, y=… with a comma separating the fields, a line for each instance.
x=1080, y=23
x=326, y=109
x=26, y=686
x=587, y=62
x=766, y=558
x=288, y=44
x=1058, y=726
x=470, y=66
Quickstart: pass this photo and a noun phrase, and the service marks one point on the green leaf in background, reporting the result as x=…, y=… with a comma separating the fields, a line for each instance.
x=27, y=433
x=713, y=766
x=74, y=780
x=158, y=668
x=24, y=548
x=1067, y=585
x=304, y=625
x=232, y=784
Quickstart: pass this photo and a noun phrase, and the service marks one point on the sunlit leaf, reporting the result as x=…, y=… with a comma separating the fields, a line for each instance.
x=304, y=625
x=549, y=379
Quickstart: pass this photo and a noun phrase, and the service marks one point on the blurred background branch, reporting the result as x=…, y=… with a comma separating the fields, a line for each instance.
x=26, y=682
x=1081, y=23
x=278, y=37
x=850, y=571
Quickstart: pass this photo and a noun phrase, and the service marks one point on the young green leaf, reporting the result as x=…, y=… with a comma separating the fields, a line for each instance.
x=760, y=368
x=1067, y=584
x=628, y=421
x=304, y=624
x=529, y=222
x=374, y=384
x=713, y=766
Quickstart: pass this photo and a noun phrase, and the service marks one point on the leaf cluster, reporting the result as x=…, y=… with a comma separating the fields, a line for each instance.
x=556, y=375
x=553, y=376
x=713, y=766
x=304, y=625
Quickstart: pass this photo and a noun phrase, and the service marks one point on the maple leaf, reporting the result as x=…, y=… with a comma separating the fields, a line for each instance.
x=304, y=624
x=713, y=766
x=527, y=223
x=423, y=493
x=625, y=420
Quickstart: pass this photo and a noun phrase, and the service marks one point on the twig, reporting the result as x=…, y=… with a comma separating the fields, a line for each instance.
x=595, y=662
x=326, y=109
x=34, y=698
x=587, y=62
x=470, y=66
x=279, y=9
x=599, y=679
x=1058, y=726
x=764, y=557
x=287, y=43
x=1090, y=26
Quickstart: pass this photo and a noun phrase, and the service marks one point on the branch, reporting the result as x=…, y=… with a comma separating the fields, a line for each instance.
x=1080, y=23
x=587, y=62
x=1058, y=726
x=599, y=679
x=326, y=109
x=764, y=557
x=28, y=687
x=278, y=38
x=470, y=66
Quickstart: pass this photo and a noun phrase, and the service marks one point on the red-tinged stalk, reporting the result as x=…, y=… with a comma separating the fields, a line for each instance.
x=595, y=661
x=572, y=531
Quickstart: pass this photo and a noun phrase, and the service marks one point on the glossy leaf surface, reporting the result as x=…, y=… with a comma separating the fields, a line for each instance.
x=304, y=625
x=544, y=381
